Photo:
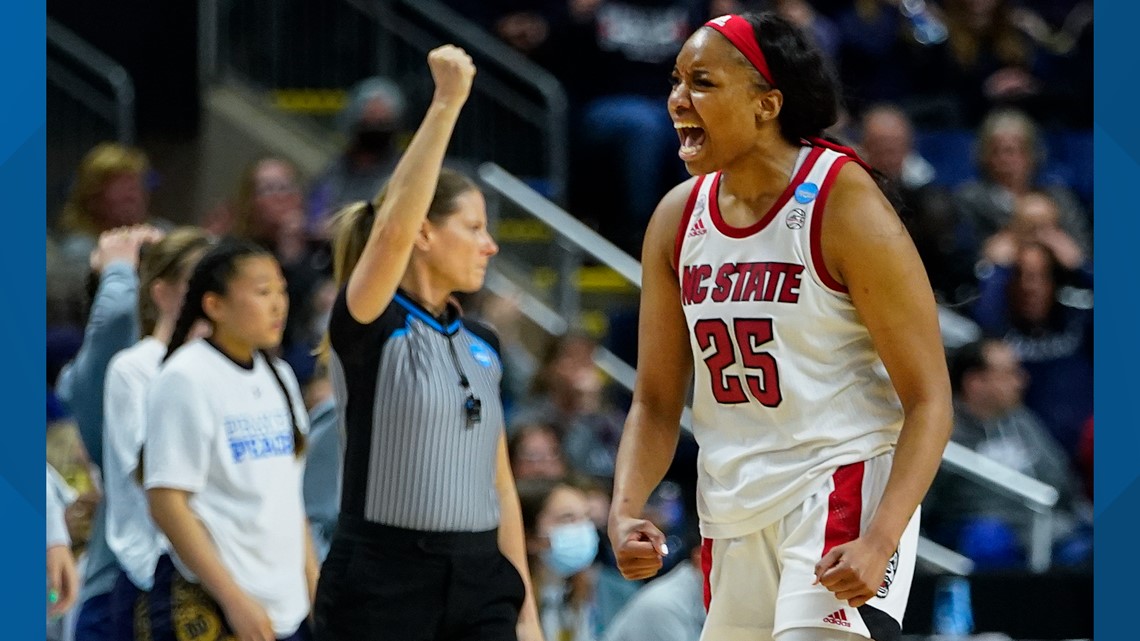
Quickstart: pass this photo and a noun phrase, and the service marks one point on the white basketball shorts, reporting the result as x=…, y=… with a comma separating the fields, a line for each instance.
x=759, y=585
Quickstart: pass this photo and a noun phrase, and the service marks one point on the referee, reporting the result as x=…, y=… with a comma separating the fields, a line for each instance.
x=429, y=543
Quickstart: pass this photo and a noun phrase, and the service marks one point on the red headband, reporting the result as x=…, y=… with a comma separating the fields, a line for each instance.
x=741, y=35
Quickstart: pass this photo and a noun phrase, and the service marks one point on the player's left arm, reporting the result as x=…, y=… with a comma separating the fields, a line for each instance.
x=866, y=247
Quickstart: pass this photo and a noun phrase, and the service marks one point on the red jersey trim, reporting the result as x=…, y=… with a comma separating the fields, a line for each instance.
x=684, y=225
x=817, y=262
x=744, y=232
x=844, y=507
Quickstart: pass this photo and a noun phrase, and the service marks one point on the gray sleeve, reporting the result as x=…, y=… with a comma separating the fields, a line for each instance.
x=112, y=326
x=322, y=480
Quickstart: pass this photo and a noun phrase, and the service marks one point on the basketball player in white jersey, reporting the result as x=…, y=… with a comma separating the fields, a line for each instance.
x=780, y=281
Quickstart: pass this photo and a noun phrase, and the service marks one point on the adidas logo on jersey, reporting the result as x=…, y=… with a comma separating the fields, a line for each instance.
x=839, y=617
x=698, y=229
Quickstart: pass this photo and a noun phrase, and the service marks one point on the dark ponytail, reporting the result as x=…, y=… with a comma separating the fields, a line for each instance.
x=812, y=99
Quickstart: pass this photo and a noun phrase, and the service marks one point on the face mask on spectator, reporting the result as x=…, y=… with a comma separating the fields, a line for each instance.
x=374, y=139
x=573, y=547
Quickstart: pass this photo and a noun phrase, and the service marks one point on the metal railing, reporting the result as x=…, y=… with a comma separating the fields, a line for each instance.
x=578, y=240
x=517, y=113
x=90, y=99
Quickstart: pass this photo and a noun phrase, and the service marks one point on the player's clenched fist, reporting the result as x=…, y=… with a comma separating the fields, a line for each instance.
x=453, y=71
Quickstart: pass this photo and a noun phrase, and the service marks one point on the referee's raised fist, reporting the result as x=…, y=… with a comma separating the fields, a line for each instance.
x=453, y=71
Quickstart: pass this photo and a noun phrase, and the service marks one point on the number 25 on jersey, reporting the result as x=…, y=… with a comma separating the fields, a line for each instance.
x=749, y=334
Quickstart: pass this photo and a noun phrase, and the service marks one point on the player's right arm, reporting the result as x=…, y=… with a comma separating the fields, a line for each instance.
x=664, y=368
x=410, y=190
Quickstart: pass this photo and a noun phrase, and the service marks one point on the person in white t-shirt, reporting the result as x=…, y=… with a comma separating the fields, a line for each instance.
x=164, y=268
x=821, y=401
x=225, y=431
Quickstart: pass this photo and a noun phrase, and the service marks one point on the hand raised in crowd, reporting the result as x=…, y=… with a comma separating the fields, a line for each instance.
x=122, y=244
x=453, y=72
x=1067, y=251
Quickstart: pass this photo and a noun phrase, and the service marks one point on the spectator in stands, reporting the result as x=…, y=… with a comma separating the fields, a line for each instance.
x=536, y=452
x=569, y=392
x=562, y=543
x=990, y=418
x=1062, y=29
x=1045, y=312
x=268, y=209
x=109, y=191
x=1010, y=155
x=525, y=25
x=372, y=121
x=113, y=326
x=820, y=28
x=1035, y=220
x=873, y=38
x=944, y=239
x=616, y=57
x=670, y=608
x=79, y=479
x=985, y=62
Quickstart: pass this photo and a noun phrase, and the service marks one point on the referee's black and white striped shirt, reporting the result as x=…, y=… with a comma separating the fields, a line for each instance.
x=412, y=458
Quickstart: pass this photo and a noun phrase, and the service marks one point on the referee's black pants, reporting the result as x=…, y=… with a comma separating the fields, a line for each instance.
x=382, y=582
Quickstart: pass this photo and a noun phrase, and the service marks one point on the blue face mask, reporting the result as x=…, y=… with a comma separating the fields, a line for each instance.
x=573, y=547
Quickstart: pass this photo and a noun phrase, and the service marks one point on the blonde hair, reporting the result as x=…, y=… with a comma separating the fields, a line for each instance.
x=352, y=224
x=103, y=162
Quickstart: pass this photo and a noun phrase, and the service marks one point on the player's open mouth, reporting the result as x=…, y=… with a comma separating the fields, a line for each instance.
x=692, y=139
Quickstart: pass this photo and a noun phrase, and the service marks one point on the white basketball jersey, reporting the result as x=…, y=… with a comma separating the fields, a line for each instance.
x=787, y=384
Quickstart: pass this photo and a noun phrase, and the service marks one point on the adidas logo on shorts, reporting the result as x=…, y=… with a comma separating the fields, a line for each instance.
x=839, y=617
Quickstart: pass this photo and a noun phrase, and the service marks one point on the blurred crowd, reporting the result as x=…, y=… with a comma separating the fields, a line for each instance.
x=977, y=110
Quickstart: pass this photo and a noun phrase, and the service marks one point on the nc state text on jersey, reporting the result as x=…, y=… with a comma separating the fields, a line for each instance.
x=735, y=282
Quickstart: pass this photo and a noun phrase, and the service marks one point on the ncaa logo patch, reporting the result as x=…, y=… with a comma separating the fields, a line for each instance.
x=796, y=218
x=806, y=193
x=889, y=577
x=482, y=354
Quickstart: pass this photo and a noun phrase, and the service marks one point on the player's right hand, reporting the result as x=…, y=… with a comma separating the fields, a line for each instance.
x=638, y=545
x=248, y=619
x=453, y=72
